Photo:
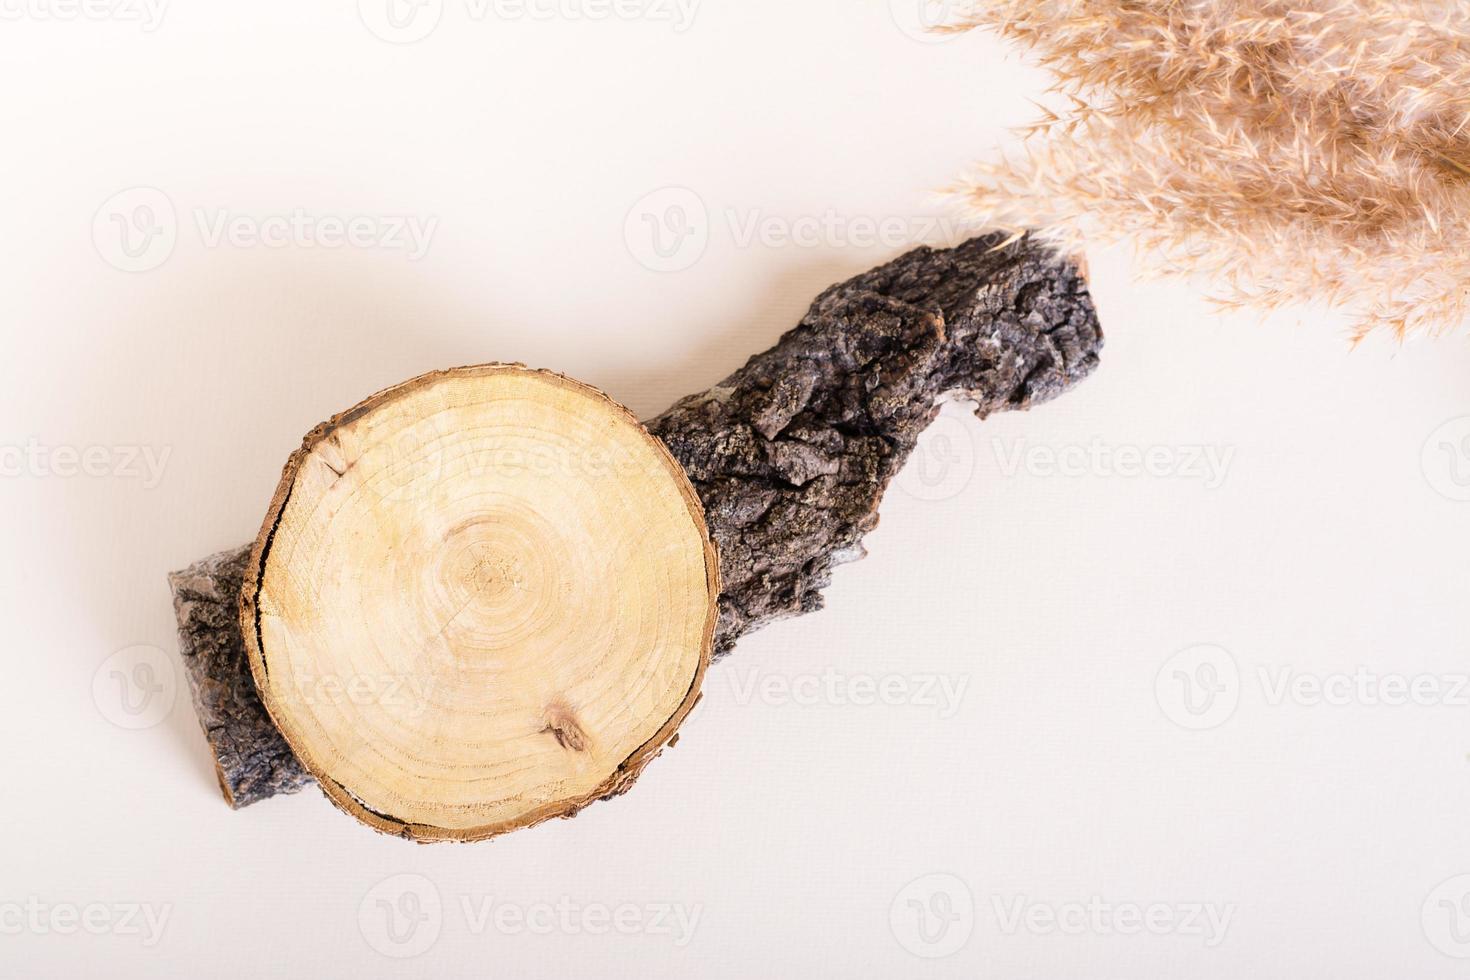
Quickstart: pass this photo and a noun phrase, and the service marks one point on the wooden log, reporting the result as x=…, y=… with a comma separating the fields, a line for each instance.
x=790, y=455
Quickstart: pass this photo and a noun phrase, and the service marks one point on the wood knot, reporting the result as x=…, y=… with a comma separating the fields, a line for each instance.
x=562, y=726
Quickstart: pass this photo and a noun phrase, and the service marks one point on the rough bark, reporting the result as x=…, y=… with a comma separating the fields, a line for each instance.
x=252, y=760
x=790, y=454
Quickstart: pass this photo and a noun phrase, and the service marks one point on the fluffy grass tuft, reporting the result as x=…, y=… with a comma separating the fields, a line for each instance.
x=1292, y=153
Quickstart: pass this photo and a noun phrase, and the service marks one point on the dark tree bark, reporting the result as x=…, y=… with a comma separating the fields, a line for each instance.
x=790, y=454
x=251, y=758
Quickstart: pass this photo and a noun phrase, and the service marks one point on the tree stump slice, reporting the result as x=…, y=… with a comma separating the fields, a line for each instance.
x=480, y=599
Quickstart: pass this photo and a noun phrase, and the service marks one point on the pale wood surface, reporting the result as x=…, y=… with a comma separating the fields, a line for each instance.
x=480, y=599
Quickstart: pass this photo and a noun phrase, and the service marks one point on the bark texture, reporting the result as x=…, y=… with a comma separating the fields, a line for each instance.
x=790, y=455
x=251, y=758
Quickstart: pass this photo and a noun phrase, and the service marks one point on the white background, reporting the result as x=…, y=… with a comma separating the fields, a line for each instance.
x=793, y=828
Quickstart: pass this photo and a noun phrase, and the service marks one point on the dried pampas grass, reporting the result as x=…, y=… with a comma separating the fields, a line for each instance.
x=1292, y=152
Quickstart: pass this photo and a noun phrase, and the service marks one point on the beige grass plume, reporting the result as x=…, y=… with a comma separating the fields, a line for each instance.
x=1296, y=152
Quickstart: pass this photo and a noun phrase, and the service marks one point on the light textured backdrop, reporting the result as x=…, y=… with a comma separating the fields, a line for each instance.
x=1166, y=678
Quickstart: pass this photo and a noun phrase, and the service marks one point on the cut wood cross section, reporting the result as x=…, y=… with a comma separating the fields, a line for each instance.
x=482, y=598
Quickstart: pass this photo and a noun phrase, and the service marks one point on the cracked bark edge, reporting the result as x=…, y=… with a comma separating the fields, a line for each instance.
x=791, y=454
